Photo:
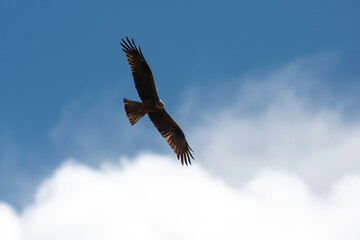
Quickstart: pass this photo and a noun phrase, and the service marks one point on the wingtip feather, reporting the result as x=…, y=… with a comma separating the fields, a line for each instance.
x=130, y=45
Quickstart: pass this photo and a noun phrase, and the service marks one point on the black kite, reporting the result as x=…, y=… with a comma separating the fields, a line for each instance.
x=151, y=103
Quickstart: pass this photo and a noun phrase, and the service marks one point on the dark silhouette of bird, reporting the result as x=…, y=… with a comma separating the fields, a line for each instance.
x=151, y=104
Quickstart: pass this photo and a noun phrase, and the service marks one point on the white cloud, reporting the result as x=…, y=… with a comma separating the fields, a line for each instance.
x=153, y=198
x=285, y=118
x=282, y=119
x=10, y=228
x=276, y=120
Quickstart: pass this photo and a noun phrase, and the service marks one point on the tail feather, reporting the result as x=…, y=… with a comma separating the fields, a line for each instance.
x=134, y=110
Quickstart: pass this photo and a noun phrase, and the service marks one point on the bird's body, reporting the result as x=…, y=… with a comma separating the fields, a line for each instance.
x=136, y=110
x=151, y=104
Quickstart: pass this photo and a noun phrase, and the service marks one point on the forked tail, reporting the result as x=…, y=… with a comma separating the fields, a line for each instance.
x=134, y=110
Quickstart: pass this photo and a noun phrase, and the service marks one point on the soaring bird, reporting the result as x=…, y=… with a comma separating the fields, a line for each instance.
x=151, y=104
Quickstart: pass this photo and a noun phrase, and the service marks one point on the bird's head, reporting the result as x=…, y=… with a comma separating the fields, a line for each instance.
x=160, y=104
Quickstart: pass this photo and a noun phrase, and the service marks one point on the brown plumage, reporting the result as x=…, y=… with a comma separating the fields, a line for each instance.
x=151, y=104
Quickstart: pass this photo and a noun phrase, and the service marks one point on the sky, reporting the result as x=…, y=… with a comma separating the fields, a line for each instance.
x=266, y=94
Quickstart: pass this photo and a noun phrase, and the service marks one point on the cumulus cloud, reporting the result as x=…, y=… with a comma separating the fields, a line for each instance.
x=154, y=198
x=264, y=144
x=10, y=228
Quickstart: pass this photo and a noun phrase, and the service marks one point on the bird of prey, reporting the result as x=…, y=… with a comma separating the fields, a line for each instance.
x=151, y=104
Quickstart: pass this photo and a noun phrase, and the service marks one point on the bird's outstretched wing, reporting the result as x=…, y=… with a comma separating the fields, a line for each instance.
x=141, y=72
x=173, y=135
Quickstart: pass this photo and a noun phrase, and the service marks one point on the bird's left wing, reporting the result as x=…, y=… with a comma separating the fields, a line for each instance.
x=140, y=70
x=173, y=135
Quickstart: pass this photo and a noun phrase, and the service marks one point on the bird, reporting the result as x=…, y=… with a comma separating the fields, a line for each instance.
x=151, y=104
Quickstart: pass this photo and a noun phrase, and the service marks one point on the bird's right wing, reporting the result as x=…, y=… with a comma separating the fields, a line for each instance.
x=173, y=135
x=140, y=70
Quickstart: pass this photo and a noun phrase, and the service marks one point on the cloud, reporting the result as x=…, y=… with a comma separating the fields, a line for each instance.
x=285, y=119
x=276, y=158
x=10, y=228
x=289, y=118
x=97, y=128
x=153, y=198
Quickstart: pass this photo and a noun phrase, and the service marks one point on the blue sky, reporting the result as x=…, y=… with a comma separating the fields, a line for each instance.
x=63, y=73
